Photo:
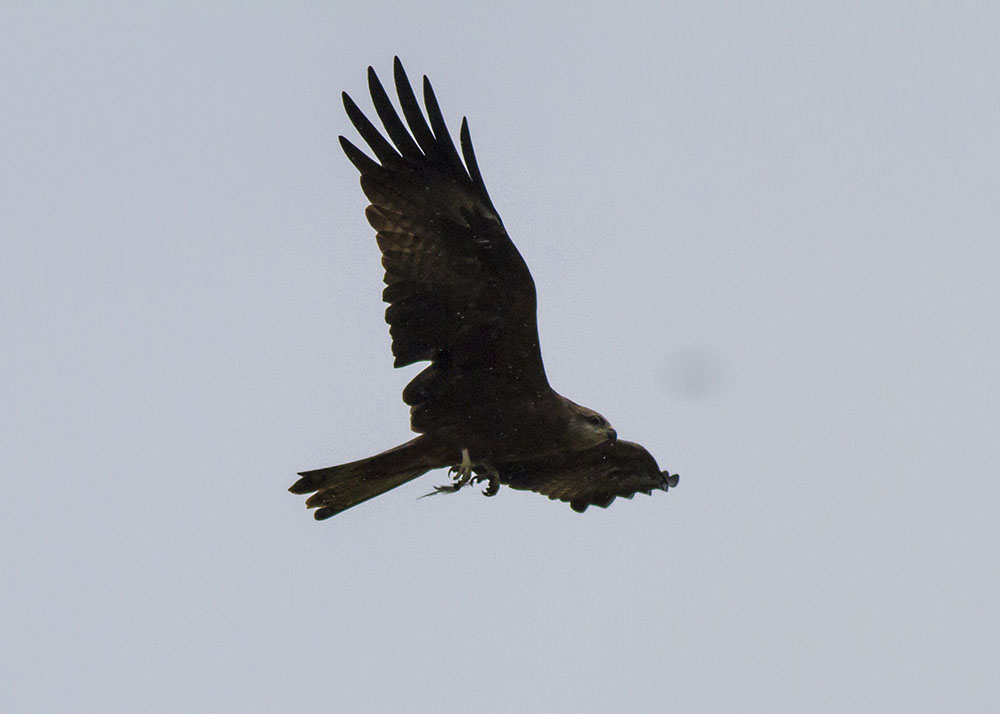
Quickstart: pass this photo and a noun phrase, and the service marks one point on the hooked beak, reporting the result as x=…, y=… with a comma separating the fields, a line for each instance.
x=612, y=435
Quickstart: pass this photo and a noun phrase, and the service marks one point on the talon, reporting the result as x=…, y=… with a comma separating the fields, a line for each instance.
x=462, y=472
x=461, y=475
x=491, y=477
x=468, y=472
x=492, y=487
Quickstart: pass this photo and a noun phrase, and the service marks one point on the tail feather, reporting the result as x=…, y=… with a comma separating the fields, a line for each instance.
x=337, y=488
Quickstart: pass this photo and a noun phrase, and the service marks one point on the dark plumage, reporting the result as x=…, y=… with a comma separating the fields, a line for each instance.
x=461, y=297
x=591, y=477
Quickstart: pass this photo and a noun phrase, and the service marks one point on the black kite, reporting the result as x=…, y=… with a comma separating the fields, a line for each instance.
x=461, y=297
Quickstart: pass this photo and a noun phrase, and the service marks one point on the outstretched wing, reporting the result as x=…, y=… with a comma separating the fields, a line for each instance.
x=459, y=293
x=592, y=477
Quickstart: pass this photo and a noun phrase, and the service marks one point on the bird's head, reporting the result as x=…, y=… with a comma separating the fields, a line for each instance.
x=592, y=428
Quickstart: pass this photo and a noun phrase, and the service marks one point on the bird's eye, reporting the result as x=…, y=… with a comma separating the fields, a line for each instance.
x=596, y=420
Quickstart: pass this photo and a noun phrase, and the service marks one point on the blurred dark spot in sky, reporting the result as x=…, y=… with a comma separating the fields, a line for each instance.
x=693, y=373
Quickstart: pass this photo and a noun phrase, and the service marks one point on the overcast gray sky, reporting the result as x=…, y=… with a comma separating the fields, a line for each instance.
x=766, y=243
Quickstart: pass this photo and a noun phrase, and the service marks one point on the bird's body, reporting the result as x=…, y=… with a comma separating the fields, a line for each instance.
x=461, y=297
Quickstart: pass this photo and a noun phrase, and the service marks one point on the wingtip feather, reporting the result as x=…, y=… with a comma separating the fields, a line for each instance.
x=362, y=162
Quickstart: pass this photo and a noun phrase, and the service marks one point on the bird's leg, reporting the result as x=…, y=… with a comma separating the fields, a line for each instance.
x=462, y=472
x=462, y=475
x=469, y=472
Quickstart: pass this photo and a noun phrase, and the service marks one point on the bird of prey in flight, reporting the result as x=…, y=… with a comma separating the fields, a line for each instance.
x=461, y=298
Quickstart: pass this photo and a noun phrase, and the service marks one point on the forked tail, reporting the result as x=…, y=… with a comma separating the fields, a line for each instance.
x=337, y=488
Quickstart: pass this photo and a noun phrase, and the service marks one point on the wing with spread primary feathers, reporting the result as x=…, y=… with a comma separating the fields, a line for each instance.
x=459, y=293
x=593, y=477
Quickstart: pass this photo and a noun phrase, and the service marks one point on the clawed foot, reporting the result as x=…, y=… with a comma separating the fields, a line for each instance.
x=462, y=474
x=467, y=473
x=492, y=480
